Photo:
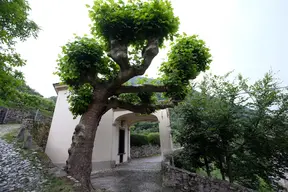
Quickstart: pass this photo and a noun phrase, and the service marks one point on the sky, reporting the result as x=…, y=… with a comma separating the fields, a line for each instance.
x=247, y=36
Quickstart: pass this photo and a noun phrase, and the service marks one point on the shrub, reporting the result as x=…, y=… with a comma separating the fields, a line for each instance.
x=154, y=138
x=181, y=160
x=138, y=140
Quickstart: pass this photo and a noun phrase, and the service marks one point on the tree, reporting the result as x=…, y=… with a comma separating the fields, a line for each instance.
x=15, y=25
x=126, y=38
x=238, y=128
x=208, y=128
x=265, y=138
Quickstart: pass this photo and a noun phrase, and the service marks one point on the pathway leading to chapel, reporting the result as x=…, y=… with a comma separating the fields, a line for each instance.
x=139, y=175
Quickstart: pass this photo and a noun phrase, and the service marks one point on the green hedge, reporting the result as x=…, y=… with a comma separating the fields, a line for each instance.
x=154, y=138
x=140, y=139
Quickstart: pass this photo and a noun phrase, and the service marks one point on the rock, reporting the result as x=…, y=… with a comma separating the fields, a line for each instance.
x=57, y=172
x=28, y=142
x=21, y=134
x=24, y=180
x=16, y=172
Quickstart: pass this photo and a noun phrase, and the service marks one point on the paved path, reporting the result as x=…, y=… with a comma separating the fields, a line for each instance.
x=140, y=175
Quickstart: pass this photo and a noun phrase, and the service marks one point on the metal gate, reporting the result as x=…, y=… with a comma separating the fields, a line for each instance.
x=3, y=112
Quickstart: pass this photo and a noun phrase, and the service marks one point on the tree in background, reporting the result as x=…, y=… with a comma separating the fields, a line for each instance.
x=238, y=128
x=15, y=25
x=145, y=127
x=126, y=38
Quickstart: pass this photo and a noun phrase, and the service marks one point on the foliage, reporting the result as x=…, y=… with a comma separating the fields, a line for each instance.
x=53, y=98
x=144, y=128
x=236, y=128
x=188, y=56
x=133, y=21
x=83, y=61
x=129, y=29
x=26, y=89
x=15, y=26
x=154, y=138
x=141, y=139
x=138, y=140
x=126, y=37
x=29, y=101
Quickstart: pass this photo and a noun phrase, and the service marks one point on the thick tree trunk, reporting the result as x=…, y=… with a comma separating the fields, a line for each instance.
x=79, y=163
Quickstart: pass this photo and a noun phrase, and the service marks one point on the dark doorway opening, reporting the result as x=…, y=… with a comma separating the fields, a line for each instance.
x=121, y=150
x=3, y=112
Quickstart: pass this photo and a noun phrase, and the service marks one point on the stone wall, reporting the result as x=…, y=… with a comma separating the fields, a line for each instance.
x=144, y=151
x=15, y=116
x=182, y=181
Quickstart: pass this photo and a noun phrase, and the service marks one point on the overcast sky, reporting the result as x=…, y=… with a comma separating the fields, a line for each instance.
x=247, y=36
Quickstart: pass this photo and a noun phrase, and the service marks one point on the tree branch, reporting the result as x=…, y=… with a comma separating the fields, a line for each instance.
x=148, y=54
x=118, y=52
x=141, y=108
x=142, y=88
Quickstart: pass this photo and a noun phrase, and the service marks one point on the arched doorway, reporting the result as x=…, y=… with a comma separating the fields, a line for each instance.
x=123, y=119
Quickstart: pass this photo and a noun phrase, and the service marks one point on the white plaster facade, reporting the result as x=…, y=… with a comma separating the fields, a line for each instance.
x=106, y=145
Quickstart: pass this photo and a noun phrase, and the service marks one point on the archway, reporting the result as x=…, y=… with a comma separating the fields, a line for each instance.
x=123, y=119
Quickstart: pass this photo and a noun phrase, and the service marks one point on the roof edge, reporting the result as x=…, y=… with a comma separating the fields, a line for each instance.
x=59, y=87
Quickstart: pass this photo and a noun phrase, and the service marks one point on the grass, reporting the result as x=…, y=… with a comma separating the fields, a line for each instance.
x=36, y=156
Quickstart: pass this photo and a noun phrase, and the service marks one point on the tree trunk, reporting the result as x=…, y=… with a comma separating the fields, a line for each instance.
x=78, y=164
x=207, y=166
x=221, y=168
x=229, y=168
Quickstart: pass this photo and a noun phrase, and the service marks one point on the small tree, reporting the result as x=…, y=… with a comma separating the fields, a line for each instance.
x=126, y=38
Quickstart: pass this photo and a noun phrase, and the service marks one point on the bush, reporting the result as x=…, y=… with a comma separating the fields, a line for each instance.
x=154, y=138
x=181, y=160
x=138, y=140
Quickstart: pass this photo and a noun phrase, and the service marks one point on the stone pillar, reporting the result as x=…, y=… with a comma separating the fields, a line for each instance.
x=26, y=127
x=165, y=132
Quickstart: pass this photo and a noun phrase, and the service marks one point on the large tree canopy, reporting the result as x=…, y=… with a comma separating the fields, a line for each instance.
x=125, y=38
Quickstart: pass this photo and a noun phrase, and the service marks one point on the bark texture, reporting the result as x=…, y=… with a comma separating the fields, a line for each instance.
x=79, y=163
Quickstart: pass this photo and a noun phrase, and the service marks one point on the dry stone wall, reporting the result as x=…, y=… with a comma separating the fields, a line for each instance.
x=184, y=181
x=16, y=116
x=144, y=151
